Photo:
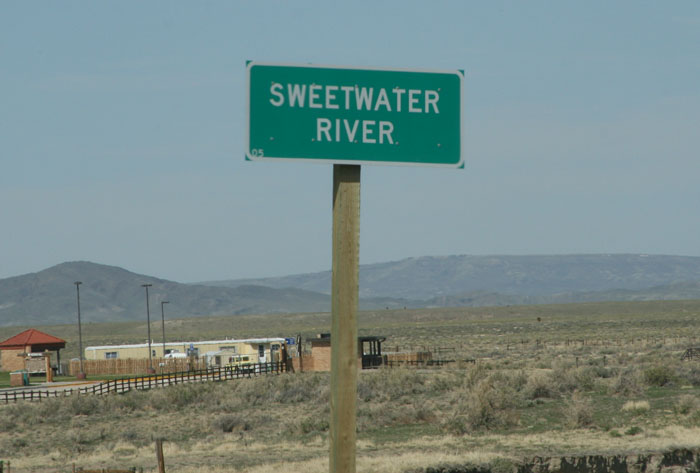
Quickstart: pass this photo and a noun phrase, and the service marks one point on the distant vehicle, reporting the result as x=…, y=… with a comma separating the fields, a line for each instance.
x=176, y=355
x=241, y=363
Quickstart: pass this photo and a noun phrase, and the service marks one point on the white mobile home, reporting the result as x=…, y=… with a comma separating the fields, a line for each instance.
x=259, y=350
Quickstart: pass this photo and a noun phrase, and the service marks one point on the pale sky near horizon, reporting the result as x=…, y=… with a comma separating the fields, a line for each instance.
x=122, y=133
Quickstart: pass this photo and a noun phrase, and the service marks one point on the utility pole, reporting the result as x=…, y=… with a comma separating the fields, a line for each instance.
x=148, y=319
x=162, y=320
x=81, y=374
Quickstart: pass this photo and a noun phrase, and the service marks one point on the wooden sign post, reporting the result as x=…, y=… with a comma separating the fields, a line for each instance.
x=344, y=303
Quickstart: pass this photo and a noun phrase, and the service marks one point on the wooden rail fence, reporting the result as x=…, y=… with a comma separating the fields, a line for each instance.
x=124, y=385
x=397, y=363
x=130, y=366
x=105, y=470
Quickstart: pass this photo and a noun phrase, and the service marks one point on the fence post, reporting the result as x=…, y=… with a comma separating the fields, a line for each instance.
x=159, y=454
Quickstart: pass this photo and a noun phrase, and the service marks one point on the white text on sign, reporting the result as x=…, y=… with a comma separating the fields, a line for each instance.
x=354, y=98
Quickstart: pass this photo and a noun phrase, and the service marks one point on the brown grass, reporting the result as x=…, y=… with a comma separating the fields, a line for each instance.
x=555, y=386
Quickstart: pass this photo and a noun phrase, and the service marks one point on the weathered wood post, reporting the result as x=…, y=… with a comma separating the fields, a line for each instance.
x=159, y=455
x=344, y=302
x=47, y=366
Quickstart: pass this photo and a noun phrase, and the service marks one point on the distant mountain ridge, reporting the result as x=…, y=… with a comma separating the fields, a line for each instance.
x=678, y=291
x=433, y=276
x=109, y=293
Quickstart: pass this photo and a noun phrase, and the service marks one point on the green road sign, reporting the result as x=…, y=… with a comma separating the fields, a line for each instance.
x=354, y=116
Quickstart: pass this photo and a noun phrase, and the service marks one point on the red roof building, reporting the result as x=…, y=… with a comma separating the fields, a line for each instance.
x=14, y=350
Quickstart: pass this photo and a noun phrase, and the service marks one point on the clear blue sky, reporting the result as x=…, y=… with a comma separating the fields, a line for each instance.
x=122, y=133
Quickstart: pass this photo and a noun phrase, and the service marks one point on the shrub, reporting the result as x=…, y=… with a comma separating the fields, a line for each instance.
x=298, y=388
x=424, y=413
x=83, y=405
x=134, y=437
x=658, y=375
x=19, y=442
x=314, y=424
x=540, y=385
x=183, y=395
x=487, y=406
x=636, y=407
x=230, y=423
x=444, y=382
x=690, y=373
x=6, y=423
x=50, y=411
x=286, y=389
x=583, y=378
x=82, y=440
x=634, y=430
x=687, y=404
x=578, y=411
x=475, y=374
x=390, y=384
x=628, y=382
x=517, y=380
x=693, y=417
x=127, y=402
x=602, y=371
x=456, y=425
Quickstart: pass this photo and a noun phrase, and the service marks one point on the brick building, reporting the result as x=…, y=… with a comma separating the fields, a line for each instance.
x=15, y=350
x=369, y=352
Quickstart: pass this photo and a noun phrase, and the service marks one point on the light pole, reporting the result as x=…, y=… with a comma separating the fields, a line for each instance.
x=148, y=321
x=80, y=375
x=162, y=320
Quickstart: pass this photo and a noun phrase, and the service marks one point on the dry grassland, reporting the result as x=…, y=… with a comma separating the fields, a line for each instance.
x=549, y=380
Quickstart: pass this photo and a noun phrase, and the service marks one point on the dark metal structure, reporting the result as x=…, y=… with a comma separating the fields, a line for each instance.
x=691, y=354
x=371, y=350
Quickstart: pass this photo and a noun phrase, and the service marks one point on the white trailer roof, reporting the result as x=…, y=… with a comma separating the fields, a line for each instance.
x=187, y=344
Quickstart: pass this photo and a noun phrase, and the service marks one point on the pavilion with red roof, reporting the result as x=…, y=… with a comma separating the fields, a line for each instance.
x=15, y=350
